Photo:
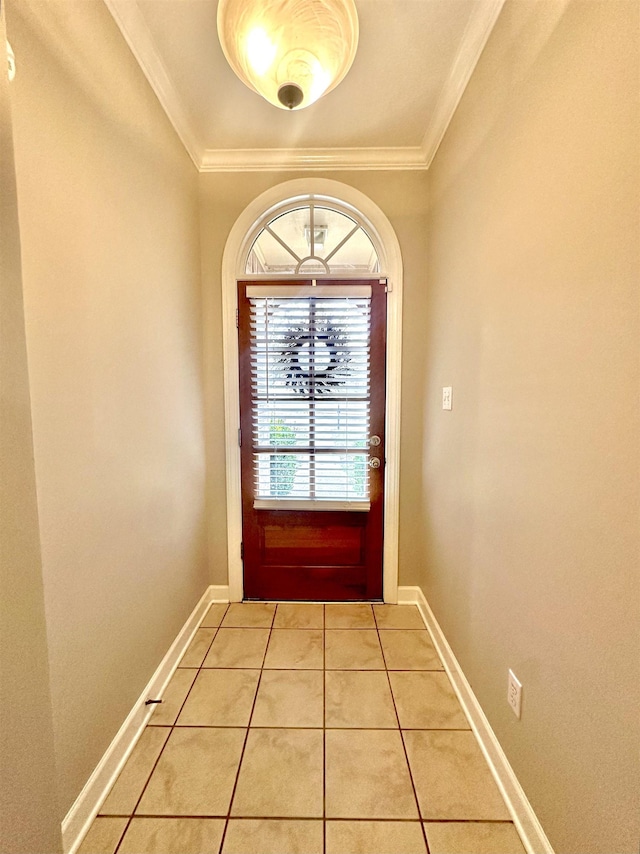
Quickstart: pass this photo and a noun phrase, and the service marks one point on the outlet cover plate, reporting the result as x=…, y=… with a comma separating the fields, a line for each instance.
x=447, y=397
x=514, y=694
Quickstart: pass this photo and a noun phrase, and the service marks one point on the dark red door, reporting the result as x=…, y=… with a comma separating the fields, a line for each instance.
x=312, y=413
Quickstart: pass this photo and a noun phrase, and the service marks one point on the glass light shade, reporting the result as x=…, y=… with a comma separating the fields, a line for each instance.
x=289, y=51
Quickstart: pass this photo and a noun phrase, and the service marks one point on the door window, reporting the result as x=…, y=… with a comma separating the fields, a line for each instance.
x=310, y=395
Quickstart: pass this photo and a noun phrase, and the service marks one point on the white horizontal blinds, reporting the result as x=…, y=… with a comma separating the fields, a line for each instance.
x=310, y=388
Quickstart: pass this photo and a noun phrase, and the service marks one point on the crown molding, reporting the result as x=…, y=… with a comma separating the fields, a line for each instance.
x=481, y=22
x=130, y=20
x=133, y=27
x=311, y=159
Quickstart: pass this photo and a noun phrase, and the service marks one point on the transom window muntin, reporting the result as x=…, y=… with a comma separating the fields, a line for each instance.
x=312, y=238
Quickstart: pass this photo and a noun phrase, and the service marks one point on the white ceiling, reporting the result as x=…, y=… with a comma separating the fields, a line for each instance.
x=414, y=60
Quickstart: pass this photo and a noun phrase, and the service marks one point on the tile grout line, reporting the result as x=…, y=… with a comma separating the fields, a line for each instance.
x=398, y=819
x=404, y=747
x=324, y=731
x=307, y=728
x=319, y=670
x=171, y=729
x=246, y=736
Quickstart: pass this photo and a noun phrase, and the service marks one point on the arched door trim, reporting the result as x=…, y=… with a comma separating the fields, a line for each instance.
x=234, y=258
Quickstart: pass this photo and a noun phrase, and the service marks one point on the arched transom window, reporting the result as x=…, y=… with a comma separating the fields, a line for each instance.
x=312, y=238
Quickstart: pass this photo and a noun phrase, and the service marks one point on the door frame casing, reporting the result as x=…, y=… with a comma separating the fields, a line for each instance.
x=386, y=243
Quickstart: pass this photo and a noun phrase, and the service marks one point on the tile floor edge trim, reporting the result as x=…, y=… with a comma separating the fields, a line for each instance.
x=77, y=821
x=527, y=823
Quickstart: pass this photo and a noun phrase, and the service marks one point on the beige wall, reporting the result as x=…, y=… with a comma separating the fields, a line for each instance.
x=28, y=804
x=403, y=198
x=530, y=484
x=107, y=203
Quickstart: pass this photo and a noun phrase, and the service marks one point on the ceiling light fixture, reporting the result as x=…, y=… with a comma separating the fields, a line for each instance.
x=291, y=52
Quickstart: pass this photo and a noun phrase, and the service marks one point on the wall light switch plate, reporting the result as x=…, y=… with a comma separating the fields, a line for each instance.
x=447, y=397
x=514, y=694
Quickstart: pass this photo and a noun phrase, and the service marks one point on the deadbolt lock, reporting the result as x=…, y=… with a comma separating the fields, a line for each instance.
x=374, y=441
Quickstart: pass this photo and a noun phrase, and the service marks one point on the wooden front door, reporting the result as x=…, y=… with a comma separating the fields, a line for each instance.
x=312, y=416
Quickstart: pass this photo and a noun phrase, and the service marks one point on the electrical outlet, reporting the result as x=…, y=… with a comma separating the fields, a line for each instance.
x=447, y=397
x=514, y=694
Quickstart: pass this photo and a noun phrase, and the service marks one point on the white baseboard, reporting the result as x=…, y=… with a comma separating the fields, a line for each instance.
x=531, y=832
x=78, y=820
x=219, y=593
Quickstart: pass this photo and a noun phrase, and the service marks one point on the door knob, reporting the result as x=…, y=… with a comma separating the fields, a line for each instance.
x=374, y=463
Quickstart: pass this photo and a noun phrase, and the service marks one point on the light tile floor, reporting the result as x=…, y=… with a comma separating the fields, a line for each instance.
x=306, y=729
